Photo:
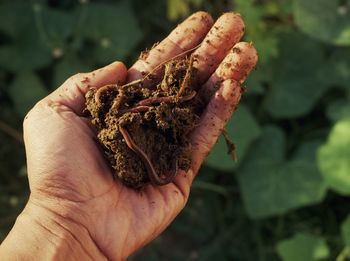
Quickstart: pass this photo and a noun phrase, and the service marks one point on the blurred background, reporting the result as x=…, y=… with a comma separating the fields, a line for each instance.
x=287, y=195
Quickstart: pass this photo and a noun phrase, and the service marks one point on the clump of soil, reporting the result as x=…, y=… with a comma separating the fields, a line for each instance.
x=144, y=128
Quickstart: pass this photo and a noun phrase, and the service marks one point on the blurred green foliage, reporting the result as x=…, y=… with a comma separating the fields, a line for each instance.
x=286, y=197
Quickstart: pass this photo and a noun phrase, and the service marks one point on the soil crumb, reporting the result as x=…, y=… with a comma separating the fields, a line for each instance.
x=144, y=126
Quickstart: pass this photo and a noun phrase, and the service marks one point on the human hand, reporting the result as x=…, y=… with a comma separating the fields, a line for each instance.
x=73, y=193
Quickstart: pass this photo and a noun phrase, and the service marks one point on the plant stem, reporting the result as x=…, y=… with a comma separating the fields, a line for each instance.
x=199, y=184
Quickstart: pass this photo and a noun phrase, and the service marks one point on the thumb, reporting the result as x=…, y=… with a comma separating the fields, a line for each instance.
x=72, y=92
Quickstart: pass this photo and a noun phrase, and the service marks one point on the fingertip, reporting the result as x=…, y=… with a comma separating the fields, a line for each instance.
x=116, y=71
x=119, y=65
x=248, y=52
x=191, y=31
x=238, y=63
x=113, y=73
x=203, y=16
x=234, y=21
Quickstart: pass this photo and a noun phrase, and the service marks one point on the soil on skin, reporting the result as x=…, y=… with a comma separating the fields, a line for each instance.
x=158, y=126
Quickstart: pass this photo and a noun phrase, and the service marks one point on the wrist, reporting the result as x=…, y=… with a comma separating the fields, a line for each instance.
x=40, y=234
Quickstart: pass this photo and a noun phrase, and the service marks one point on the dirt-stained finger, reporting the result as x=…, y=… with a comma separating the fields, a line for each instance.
x=224, y=34
x=213, y=120
x=236, y=66
x=185, y=36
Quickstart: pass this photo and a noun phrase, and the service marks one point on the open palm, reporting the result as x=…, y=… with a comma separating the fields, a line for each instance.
x=68, y=174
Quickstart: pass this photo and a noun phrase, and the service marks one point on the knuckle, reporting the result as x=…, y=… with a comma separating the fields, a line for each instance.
x=74, y=78
x=216, y=110
x=42, y=109
x=32, y=114
x=203, y=142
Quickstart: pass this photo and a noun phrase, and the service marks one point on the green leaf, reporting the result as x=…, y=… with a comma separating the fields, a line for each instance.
x=339, y=67
x=298, y=82
x=338, y=109
x=256, y=79
x=27, y=51
x=25, y=91
x=58, y=25
x=177, y=9
x=303, y=247
x=243, y=129
x=265, y=40
x=325, y=20
x=26, y=54
x=114, y=30
x=15, y=17
x=270, y=184
x=334, y=155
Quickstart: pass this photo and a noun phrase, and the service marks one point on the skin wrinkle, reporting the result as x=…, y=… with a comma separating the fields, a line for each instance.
x=69, y=219
x=81, y=93
x=60, y=237
x=57, y=108
x=57, y=191
x=63, y=180
x=115, y=205
x=180, y=190
x=131, y=228
x=203, y=148
x=180, y=48
x=72, y=189
x=63, y=103
x=135, y=232
x=63, y=216
x=145, y=65
x=94, y=197
x=184, y=192
x=50, y=232
x=164, y=196
x=153, y=213
x=75, y=238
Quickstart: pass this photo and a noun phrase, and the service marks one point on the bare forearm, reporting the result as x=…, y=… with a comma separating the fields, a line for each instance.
x=44, y=236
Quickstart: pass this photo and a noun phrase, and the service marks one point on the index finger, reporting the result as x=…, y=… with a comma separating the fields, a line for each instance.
x=185, y=36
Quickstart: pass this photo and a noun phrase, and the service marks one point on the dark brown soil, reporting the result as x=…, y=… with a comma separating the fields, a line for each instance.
x=144, y=128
